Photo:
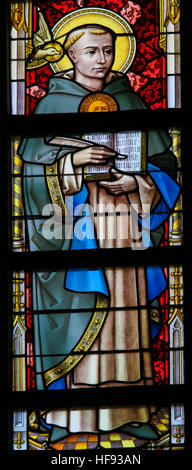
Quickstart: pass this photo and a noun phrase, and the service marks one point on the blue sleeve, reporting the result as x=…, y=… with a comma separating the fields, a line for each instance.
x=168, y=188
x=169, y=191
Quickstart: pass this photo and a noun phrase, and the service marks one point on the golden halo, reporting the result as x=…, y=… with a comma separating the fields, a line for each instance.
x=125, y=47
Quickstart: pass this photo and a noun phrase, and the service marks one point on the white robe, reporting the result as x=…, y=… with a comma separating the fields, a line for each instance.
x=124, y=330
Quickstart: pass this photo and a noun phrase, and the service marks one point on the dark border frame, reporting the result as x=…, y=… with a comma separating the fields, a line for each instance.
x=12, y=125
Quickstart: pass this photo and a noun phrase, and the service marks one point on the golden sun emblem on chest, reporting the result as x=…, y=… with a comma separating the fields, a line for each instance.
x=98, y=103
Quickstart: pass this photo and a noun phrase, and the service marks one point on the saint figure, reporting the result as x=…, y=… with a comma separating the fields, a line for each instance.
x=122, y=330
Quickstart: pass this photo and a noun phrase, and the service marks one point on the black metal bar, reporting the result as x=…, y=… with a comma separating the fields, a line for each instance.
x=55, y=123
x=162, y=395
x=86, y=258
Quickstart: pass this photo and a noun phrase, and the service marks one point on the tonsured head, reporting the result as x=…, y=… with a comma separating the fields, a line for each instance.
x=91, y=50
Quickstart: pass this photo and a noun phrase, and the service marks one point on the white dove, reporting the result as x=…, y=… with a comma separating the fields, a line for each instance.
x=44, y=45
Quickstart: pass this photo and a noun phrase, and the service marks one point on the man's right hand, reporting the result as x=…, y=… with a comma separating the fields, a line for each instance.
x=92, y=155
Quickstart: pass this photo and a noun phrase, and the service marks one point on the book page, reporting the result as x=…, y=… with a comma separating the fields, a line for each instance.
x=104, y=138
x=129, y=144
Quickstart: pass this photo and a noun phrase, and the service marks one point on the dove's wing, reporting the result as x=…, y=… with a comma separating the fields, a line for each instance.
x=43, y=34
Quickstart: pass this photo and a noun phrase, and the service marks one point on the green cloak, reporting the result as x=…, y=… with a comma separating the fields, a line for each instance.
x=55, y=334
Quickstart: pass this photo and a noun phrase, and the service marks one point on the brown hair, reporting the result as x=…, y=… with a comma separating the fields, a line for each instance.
x=93, y=28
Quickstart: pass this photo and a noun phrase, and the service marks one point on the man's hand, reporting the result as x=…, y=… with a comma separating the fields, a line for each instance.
x=92, y=155
x=123, y=184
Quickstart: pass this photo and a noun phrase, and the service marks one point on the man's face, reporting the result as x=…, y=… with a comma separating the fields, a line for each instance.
x=99, y=107
x=93, y=54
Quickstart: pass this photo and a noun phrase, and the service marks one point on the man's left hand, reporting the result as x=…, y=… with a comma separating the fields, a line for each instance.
x=122, y=184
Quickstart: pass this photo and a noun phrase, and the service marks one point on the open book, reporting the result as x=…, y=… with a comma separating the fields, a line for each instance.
x=130, y=147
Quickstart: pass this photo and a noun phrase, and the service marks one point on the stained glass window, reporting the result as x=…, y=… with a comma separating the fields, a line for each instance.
x=110, y=218
x=165, y=318
x=98, y=333
x=111, y=360
x=147, y=47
